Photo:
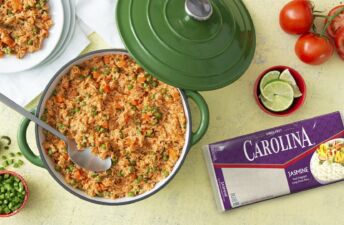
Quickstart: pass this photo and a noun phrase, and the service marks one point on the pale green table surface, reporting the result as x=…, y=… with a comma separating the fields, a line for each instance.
x=188, y=199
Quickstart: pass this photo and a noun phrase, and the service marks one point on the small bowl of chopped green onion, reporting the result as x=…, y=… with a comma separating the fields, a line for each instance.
x=14, y=193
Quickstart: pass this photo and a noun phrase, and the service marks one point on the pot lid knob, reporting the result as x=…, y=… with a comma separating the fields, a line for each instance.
x=199, y=9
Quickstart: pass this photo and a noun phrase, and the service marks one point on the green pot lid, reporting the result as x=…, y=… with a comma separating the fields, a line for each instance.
x=186, y=52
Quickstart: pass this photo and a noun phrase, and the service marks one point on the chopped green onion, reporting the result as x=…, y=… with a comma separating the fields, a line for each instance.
x=6, y=138
x=20, y=162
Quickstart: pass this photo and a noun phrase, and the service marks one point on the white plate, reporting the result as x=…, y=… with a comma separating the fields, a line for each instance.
x=70, y=33
x=11, y=64
x=66, y=29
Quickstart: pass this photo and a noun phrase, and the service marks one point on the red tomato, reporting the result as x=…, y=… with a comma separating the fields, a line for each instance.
x=313, y=49
x=339, y=40
x=296, y=17
x=337, y=22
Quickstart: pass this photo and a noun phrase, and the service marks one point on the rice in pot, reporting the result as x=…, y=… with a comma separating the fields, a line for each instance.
x=112, y=105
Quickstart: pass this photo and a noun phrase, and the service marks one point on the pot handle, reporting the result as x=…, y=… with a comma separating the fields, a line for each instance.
x=203, y=108
x=23, y=145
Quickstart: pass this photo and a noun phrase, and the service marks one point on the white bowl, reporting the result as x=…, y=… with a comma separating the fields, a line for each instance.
x=11, y=64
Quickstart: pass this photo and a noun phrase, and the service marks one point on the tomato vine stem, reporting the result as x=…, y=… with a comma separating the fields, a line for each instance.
x=319, y=15
x=330, y=19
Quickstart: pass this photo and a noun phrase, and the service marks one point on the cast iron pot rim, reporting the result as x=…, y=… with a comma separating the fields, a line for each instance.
x=65, y=186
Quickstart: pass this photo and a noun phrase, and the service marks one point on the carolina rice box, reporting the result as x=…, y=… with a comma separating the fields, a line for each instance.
x=277, y=161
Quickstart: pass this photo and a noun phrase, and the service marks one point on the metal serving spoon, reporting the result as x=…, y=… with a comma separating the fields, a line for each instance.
x=199, y=9
x=84, y=158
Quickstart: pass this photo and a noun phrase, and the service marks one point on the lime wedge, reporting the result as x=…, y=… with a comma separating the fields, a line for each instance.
x=286, y=76
x=268, y=77
x=297, y=92
x=277, y=96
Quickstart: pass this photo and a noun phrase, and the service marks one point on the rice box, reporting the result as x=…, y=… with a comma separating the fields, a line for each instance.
x=278, y=161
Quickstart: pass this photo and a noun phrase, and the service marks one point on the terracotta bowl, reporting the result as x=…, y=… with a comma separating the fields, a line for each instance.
x=26, y=190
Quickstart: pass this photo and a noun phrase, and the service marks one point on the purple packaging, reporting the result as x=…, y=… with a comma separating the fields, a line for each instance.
x=278, y=161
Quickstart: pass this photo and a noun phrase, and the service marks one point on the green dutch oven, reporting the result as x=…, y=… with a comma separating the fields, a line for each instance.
x=193, y=45
x=43, y=160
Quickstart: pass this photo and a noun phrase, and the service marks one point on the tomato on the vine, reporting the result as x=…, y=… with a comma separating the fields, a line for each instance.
x=339, y=40
x=313, y=49
x=296, y=17
x=337, y=22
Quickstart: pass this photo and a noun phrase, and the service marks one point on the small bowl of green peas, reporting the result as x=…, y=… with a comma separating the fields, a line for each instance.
x=14, y=193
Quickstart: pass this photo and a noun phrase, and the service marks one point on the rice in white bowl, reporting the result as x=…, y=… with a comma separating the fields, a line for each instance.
x=327, y=171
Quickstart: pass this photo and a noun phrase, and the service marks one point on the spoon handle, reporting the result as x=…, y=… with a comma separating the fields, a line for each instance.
x=30, y=116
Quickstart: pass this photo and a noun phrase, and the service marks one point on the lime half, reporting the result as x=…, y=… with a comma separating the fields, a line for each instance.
x=277, y=96
x=286, y=76
x=268, y=77
x=277, y=87
x=279, y=104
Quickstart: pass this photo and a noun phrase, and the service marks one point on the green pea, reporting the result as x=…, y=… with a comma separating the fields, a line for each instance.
x=131, y=194
x=154, y=84
x=58, y=168
x=98, y=179
x=166, y=173
x=158, y=115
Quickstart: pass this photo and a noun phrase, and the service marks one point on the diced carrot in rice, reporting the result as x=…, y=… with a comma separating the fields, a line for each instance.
x=59, y=99
x=95, y=74
x=141, y=79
